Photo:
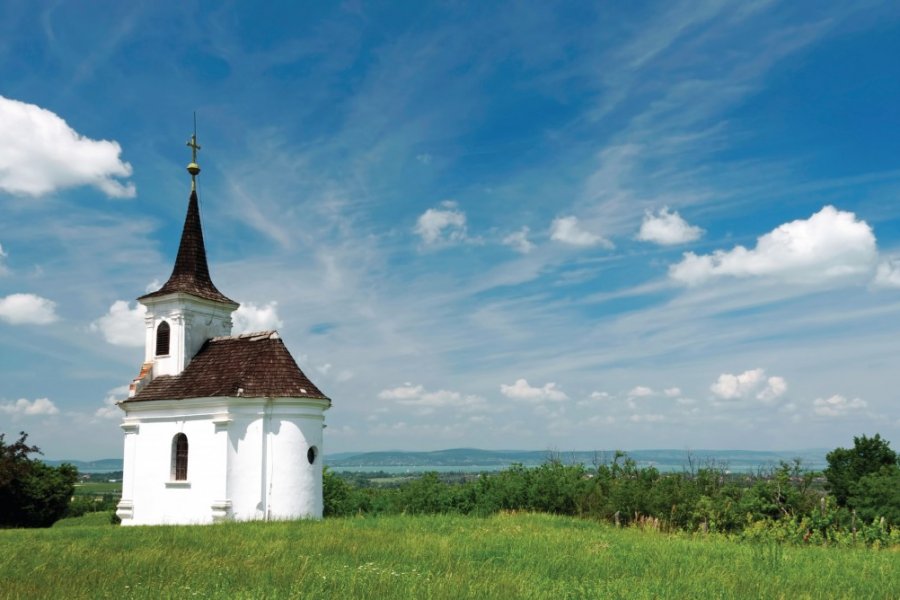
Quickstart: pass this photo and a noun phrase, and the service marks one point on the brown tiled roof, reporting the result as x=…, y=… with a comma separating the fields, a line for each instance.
x=191, y=273
x=251, y=365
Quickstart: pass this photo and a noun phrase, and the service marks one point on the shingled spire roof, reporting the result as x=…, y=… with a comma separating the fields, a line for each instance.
x=191, y=273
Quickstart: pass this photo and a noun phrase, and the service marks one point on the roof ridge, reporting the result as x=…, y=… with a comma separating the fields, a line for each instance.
x=268, y=334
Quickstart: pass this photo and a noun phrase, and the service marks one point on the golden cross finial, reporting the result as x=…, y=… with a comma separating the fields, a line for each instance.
x=193, y=168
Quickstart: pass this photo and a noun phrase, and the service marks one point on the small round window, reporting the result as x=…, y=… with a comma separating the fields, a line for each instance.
x=311, y=454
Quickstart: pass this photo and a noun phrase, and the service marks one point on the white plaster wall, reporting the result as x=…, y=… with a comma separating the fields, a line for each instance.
x=247, y=460
x=296, y=485
x=156, y=497
x=246, y=485
x=192, y=321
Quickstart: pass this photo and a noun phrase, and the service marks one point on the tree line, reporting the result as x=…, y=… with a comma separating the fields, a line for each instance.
x=856, y=498
x=859, y=501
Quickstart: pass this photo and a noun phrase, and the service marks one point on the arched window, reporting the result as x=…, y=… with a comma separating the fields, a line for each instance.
x=179, y=457
x=311, y=454
x=162, y=339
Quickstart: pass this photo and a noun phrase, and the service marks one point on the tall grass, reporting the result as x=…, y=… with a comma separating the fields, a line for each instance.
x=504, y=556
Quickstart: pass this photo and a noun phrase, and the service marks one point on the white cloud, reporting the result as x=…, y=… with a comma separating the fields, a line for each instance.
x=667, y=228
x=445, y=224
x=752, y=383
x=648, y=418
x=830, y=244
x=600, y=396
x=774, y=389
x=109, y=410
x=122, y=325
x=403, y=392
x=250, y=317
x=416, y=395
x=672, y=392
x=324, y=369
x=40, y=153
x=520, y=390
x=640, y=391
x=837, y=406
x=568, y=231
x=3, y=255
x=519, y=241
x=886, y=276
x=20, y=309
x=40, y=406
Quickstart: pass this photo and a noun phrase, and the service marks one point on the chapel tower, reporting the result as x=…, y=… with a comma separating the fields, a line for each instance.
x=188, y=309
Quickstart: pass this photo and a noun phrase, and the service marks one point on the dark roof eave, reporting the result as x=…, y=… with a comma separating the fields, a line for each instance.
x=217, y=297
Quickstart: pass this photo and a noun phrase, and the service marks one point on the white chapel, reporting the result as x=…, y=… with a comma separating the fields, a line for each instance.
x=217, y=426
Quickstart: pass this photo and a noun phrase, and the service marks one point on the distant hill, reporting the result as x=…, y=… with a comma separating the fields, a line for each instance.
x=467, y=458
x=665, y=460
x=104, y=465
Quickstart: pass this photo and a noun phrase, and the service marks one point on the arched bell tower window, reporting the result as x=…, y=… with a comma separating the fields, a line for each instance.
x=163, y=333
x=179, y=457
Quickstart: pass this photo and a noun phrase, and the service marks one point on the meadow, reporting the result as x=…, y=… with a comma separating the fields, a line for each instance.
x=508, y=555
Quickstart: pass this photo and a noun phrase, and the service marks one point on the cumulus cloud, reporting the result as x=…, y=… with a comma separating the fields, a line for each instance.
x=22, y=407
x=250, y=317
x=830, y=244
x=122, y=325
x=403, y=392
x=446, y=224
x=22, y=309
x=648, y=418
x=886, y=276
x=520, y=390
x=40, y=153
x=837, y=406
x=519, y=241
x=672, y=392
x=600, y=396
x=568, y=231
x=640, y=391
x=667, y=228
x=749, y=384
x=109, y=410
x=417, y=396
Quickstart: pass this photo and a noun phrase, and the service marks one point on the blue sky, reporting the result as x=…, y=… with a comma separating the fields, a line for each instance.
x=613, y=225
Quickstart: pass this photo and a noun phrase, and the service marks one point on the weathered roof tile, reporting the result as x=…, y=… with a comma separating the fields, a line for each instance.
x=250, y=365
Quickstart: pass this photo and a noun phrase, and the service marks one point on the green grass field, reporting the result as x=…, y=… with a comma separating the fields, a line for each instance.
x=98, y=488
x=506, y=556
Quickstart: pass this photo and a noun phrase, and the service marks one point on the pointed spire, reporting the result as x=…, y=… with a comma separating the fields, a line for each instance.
x=191, y=272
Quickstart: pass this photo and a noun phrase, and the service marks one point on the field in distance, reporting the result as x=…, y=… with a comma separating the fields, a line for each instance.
x=504, y=556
